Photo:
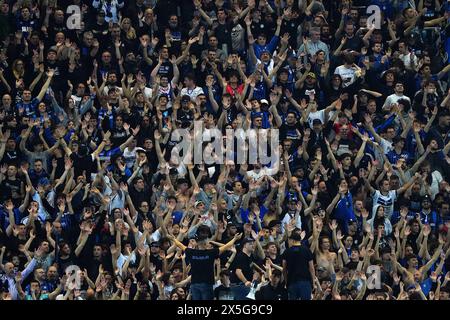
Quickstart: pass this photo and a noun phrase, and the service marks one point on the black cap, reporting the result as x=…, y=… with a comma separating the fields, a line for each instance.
x=101, y=13
x=154, y=244
x=248, y=240
x=316, y=121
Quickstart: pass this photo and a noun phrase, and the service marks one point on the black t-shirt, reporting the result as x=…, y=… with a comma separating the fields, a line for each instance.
x=298, y=258
x=82, y=163
x=243, y=262
x=202, y=264
x=223, y=293
x=268, y=292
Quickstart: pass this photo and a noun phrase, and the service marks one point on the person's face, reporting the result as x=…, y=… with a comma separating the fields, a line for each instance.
x=434, y=146
x=112, y=78
x=426, y=70
x=40, y=274
x=390, y=133
x=444, y=210
x=173, y=21
x=181, y=293
x=6, y=100
x=26, y=95
x=315, y=36
x=415, y=227
x=45, y=247
x=272, y=249
x=52, y=273
x=372, y=107
x=347, y=161
x=402, y=47
x=149, y=14
x=34, y=287
x=349, y=30
x=380, y=212
x=25, y=13
x=322, y=186
x=377, y=48
x=275, y=280
x=399, y=88
x=12, y=171
x=444, y=295
x=325, y=244
x=348, y=241
x=66, y=249
x=410, y=13
x=213, y=42
x=9, y=268
x=426, y=204
x=310, y=81
x=409, y=251
x=394, y=183
x=385, y=186
x=106, y=57
x=4, y=8
x=140, y=185
x=97, y=252
x=261, y=40
x=250, y=247
x=165, y=53
x=38, y=166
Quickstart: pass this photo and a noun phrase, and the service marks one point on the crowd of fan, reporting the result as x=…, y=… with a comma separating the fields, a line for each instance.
x=95, y=203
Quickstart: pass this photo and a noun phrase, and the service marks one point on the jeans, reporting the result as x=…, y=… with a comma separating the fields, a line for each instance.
x=240, y=291
x=202, y=291
x=300, y=290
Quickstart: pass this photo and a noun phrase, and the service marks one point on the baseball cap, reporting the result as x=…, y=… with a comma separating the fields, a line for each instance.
x=256, y=114
x=311, y=74
x=186, y=98
x=264, y=101
x=139, y=149
x=248, y=240
x=198, y=202
x=316, y=121
x=154, y=244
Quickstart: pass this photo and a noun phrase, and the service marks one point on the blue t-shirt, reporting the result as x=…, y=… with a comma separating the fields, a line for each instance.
x=244, y=215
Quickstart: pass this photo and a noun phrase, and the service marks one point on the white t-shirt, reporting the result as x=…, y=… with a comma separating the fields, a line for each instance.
x=316, y=115
x=406, y=58
x=347, y=74
x=393, y=98
x=129, y=157
x=387, y=201
x=287, y=218
x=263, y=172
x=122, y=259
x=192, y=93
